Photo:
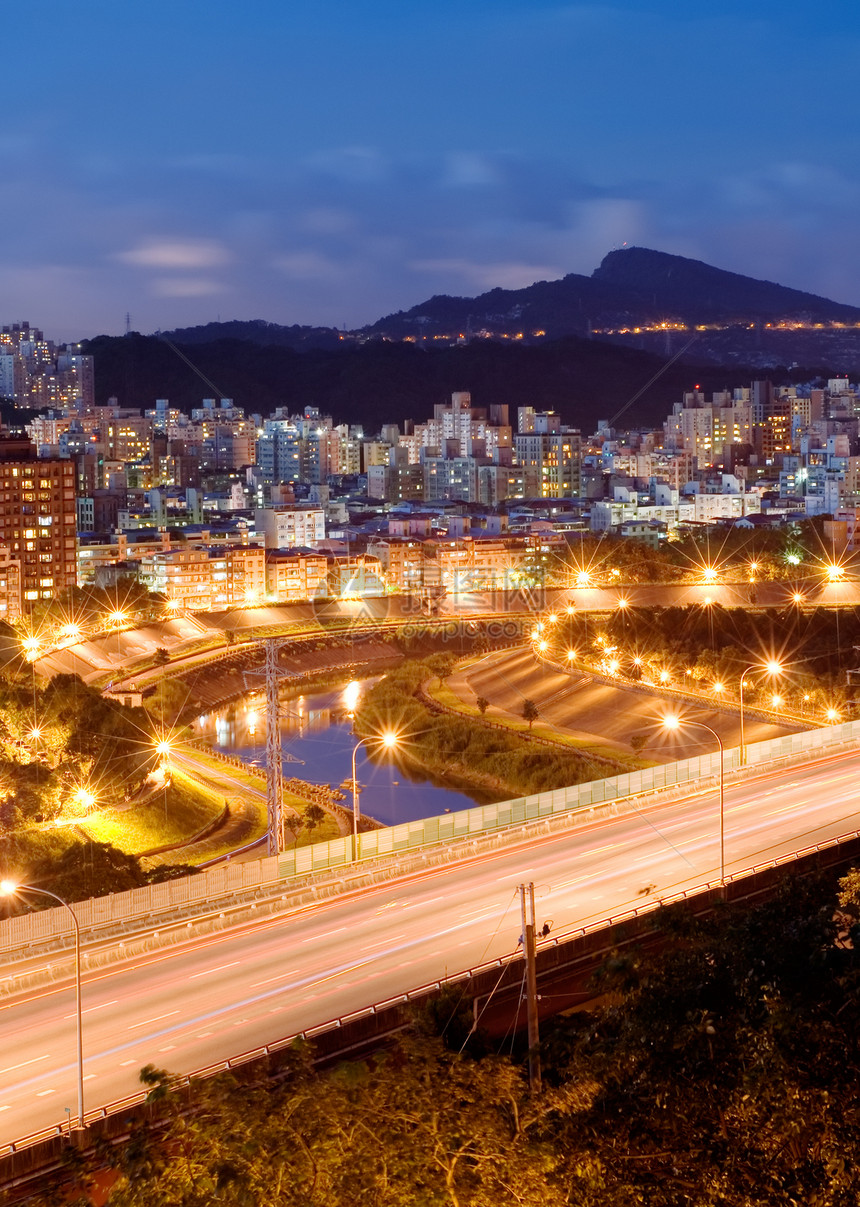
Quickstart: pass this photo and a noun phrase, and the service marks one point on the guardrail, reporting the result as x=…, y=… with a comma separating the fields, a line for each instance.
x=224, y=880
x=421, y=991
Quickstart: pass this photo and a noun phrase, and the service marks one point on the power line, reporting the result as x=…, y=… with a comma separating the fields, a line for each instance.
x=218, y=393
x=650, y=383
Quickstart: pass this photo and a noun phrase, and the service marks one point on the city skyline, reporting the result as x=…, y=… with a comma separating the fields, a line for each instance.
x=181, y=164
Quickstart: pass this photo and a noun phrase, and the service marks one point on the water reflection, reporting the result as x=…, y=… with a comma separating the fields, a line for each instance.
x=317, y=744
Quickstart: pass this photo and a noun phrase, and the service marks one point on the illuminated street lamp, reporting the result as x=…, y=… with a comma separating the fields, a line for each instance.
x=389, y=741
x=32, y=647
x=8, y=888
x=832, y=715
x=772, y=668
x=673, y=723
x=85, y=798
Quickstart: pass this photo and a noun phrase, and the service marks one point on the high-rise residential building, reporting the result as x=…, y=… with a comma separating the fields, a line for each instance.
x=290, y=527
x=551, y=463
x=36, y=374
x=38, y=522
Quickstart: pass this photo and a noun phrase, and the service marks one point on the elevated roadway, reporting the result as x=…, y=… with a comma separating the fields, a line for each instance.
x=114, y=654
x=190, y=1006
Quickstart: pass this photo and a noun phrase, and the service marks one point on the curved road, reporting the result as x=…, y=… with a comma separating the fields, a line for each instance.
x=190, y=1006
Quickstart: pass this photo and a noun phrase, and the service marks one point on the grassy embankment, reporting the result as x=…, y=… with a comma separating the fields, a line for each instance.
x=477, y=759
x=187, y=808
x=622, y=760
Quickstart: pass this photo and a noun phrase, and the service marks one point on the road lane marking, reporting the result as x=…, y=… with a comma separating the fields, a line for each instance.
x=209, y=972
x=90, y=1077
x=123, y=1063
x=44, y=1093
x=327, y=935
x=24, y=1064
x=268, y=981
x=90, y=1009
x=157, y=1019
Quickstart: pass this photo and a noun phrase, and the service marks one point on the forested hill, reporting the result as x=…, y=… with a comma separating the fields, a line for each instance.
x=381, y=382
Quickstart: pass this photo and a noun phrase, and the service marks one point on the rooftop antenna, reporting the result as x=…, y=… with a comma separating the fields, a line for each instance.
x=127, y=323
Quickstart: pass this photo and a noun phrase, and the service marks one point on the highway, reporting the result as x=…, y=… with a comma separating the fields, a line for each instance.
x=187, y=1007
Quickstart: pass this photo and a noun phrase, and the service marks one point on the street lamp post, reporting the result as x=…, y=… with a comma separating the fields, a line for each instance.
x=771, y=668
x=389, y=741
x=9, y=888
x=672, y=723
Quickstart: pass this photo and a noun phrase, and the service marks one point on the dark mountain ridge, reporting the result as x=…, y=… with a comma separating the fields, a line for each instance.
x=631, y=287
x=636, y=297
x=601, y=338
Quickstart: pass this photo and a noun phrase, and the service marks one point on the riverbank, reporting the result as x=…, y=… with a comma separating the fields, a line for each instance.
x=483, y=759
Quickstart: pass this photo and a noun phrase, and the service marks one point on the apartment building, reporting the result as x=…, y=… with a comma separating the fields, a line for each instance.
x=38, y=523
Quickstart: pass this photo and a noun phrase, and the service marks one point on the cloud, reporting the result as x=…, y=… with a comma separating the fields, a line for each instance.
x=176, y=253
x=185, y=287
x=353, y=165
x=506, y=275
x=308, y=266
x=466, y=169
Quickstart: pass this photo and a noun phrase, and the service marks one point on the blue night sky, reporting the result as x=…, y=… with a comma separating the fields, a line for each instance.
x=332, y=162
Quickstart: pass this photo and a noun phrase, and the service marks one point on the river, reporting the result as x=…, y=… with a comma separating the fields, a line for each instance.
x=317, y=744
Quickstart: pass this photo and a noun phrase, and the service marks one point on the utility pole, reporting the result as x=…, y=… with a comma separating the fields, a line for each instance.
x=274, y=772
x=527, y=901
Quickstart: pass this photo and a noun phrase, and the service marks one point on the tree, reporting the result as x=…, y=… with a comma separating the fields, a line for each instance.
x=530, y=712
x=483, y=704
x=161, y=657
x=638, y=741
x=441, y=665
x=314, y=816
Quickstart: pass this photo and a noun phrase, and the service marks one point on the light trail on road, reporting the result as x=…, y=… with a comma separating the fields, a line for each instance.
x=211, y=998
